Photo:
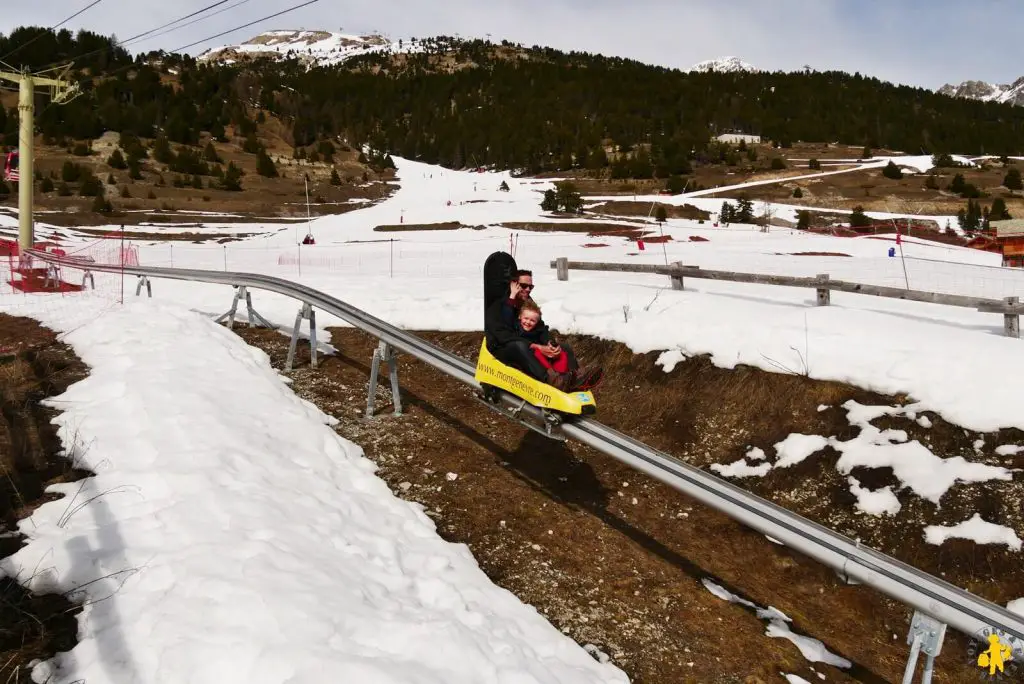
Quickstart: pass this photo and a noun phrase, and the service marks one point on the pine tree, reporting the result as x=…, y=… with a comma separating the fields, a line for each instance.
x=892, y=171
x=999, y=211
x=265, y=165
x=1013, y=180
x=232, y=178
x=661, y=214
x=116, y=160
x=335, y=178
x=210, y=153
x=550, y=201
x=803, y=219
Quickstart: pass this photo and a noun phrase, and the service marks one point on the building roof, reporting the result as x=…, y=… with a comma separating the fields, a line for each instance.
x=1008, y=228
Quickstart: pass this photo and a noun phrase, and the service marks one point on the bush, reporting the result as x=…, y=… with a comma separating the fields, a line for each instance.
x=661, y=214
x=81, y=150
x=124, y=192
x=778, y=163
x=336, y=180
x=111, y=180
x=91, y=186
x=858, y=218
x=151, y=194
x=116, y=160
x=101, y=205
x=210, y=153
x=46, y=185
x=70, y=172
x=1013, y=180
x=892, y=171
x=798, y=193
x=232, y=178
x=803, y=219
x=814, y=164
x=63, y=190
x=265, y=165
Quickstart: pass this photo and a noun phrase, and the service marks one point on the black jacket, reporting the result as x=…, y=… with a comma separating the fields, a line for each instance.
x=501, y=327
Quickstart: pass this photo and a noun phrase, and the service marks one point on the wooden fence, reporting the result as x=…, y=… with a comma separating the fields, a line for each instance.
x=1009, y=307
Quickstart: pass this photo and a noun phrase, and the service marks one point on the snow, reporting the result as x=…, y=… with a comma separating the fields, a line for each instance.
x=324, y=48
x=927, y=475
x=878, y=502
x=796, y=447
x=741, y=469
x=795, y=679
x=723, y=65
x=1016, y=606
x=1009, y=449
x=230, y=535
x=778, y=627
x=885, y=345
x=912, y=463
x=975, y=529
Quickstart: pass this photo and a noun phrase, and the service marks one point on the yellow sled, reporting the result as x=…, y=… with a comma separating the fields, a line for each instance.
x=491, y=374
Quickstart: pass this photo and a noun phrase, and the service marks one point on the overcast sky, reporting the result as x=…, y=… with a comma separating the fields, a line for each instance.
x=918, y=42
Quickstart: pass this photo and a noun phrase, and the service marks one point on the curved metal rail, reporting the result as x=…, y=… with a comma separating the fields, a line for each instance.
x=927, y=594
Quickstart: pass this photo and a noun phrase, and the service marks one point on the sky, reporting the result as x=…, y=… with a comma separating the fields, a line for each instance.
x=916, y=42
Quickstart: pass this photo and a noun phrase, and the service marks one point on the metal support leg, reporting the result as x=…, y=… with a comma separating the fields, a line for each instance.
x=88, y=276
x=242, y=294
x=385, y=353
x=144, y=280
x=926, y=635
x=305, y=313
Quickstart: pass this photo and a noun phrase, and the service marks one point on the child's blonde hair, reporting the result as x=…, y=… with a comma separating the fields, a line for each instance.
x=529, y=305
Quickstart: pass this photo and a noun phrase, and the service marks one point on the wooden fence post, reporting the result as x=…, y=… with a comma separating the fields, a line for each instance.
x=677, y=280
x=562, y=268
x=824, y=294
x=1011, y=321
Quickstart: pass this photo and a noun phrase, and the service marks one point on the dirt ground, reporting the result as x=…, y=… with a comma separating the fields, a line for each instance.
x=868, y=189
x=615, y=559
x=261, y=198
x=33, y=366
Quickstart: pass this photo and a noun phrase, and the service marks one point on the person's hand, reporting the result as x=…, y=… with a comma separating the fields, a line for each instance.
x=551, y=351
x=514, y=289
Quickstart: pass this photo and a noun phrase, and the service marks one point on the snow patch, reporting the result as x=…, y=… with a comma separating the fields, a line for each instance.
x=977, y=530
x=796, y=447
x=878, y=502
x=778, y=627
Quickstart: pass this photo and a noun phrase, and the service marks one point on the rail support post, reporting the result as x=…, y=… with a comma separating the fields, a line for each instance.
x=925, y=636
x=677, y=280
x=143, y=280
x=824, y=294
x=385, y=353
x=242, y=294
x=87, y=275
x=1011, y=321
x=308, y=314
x=562, y=268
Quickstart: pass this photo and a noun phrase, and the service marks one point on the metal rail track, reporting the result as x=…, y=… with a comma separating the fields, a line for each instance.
x=936, y=602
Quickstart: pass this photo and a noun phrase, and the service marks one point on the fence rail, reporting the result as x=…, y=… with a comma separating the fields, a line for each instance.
x=1009, y=307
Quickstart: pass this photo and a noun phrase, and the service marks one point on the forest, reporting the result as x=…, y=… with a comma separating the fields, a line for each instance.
x=474, y=103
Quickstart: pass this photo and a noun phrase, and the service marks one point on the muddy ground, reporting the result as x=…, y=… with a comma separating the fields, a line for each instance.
x=33, y=366
x=617, y=560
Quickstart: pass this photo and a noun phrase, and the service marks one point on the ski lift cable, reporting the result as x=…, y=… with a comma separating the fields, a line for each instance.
x=239, y=28
x=55, y=26
x=139, y=36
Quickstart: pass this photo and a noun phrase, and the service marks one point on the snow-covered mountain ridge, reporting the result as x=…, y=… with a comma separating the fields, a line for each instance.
x=316, y=48
x=723, y=65
x=987, y=92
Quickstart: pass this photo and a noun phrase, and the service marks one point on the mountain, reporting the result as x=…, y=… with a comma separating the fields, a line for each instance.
x=987, y=92
x=725, y=65
x=314, y=48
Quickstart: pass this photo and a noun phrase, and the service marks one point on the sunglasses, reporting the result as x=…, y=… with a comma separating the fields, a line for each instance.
x=526, y=287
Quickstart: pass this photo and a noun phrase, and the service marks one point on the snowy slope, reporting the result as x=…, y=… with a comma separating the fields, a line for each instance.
x=723, y=65
x=230, y=535
x=987, y=92
x=322, y=48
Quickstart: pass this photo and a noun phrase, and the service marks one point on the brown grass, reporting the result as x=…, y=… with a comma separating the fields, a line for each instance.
x=615, y=559
x=33, y=367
